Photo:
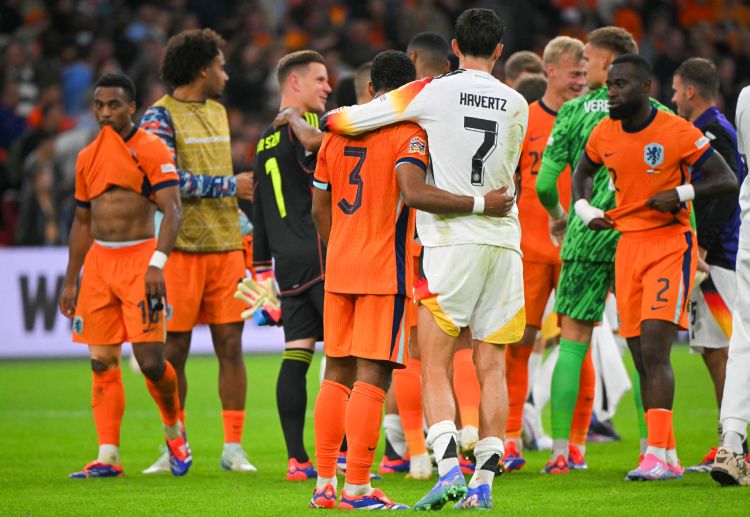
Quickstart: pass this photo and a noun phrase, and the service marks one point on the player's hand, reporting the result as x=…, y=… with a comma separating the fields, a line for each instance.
x=68, y=300
x=601, y=223
x=268, y=315
x=664, y=201
x=498, y=203
x=557, y=227
x=284, y=116
x=245, y=182
x=155, y=286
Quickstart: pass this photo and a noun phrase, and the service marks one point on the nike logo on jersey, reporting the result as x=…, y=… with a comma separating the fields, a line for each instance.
x=372, y=448
x=607, y=155
x=657, y=308
x=537, y=137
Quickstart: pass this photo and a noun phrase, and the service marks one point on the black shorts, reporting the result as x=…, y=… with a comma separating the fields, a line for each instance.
x=302, y=314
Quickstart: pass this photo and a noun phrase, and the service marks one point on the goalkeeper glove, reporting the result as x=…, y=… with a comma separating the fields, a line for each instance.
x=260, y=294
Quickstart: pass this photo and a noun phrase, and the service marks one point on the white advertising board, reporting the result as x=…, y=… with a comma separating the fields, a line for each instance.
x=31, y=324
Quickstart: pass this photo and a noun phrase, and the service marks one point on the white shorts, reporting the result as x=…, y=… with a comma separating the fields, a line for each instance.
x=477, y=286
x=711, y=306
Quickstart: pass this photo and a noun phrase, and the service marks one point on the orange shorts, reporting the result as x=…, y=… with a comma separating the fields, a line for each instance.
x=539, y=280
x=112, y=303
x=654, y=273
x=201, y=286
x=369, y=326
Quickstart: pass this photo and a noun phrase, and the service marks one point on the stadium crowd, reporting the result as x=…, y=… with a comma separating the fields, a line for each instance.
x=51, y=53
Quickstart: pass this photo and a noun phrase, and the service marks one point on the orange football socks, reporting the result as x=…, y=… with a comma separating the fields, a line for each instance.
x=330, y=411
x=234, y=423
x=108, y=405
x=517, y=379
x=363, y=418
x=408, y=385
x=466, y=387
x=164, y=393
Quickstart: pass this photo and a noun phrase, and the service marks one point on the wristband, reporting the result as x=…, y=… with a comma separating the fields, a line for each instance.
x=557, y=212
x=685, y=192
x=478, y=205
x=587, y=212
x=158, y=259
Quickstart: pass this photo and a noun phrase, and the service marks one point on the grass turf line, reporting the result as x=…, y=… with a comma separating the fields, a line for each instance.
x=46, y=432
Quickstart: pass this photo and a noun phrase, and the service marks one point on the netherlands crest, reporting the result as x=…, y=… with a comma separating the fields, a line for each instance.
x=653, y=155
x=78, y=325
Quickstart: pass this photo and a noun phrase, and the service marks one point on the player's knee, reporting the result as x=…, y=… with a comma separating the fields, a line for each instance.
x=489, y=360
x=102, y=364
x=153, y=368
x=229, y=351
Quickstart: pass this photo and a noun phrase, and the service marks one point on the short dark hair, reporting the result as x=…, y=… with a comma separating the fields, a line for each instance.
x=294, y=60
x=615, y=39
x=345, y=94
x=523, y=61
x=435, y=48
x=701, y=74
x=188, y=53
x=391, y=69
x=532, y=87
x=117, y=81
x=478, y=31
x=641, y=66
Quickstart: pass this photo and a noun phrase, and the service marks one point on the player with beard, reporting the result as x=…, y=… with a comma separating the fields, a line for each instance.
x=646, y=153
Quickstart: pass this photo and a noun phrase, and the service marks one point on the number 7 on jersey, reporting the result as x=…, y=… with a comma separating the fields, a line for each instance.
x=489, y=128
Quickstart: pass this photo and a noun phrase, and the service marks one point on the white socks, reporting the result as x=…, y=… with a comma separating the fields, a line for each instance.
x=559, y=447
x=488, y=454
x=672, y=458
x=659, y=452
x=173, y=431
x=358, y=489
x=395, y=433
x=733, y=441
x=442, y=439
x=110, y=454
x=322, y=482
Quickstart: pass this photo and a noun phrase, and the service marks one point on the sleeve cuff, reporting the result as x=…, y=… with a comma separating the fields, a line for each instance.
x=321, y=185
x=590, y=160
x=700, y=161
x=415, y=161
x=165, y=184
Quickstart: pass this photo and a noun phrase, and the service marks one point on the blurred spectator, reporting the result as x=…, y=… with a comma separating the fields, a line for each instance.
x=52, y=51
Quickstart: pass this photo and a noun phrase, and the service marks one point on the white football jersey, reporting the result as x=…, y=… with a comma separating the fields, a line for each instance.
x=743, y=144
x=475, y=126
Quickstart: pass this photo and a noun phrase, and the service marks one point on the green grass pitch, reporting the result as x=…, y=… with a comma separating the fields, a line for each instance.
x=46, y=432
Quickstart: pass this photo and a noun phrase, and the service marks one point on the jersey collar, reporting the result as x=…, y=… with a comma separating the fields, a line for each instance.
x=708, y=115
x=547, y=108
x=132, y=133
x=650, y=119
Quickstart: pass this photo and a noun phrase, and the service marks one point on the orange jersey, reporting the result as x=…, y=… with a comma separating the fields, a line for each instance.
x=644, y=162
x=372, y=231
x=141, y=163
x=536, y=243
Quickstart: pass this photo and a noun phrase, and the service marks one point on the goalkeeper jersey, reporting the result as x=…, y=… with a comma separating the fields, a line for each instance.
x=475, y=126
x=575, y=121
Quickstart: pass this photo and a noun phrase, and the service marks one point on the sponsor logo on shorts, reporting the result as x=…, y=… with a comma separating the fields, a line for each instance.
x=78, y=325
x=417, y=145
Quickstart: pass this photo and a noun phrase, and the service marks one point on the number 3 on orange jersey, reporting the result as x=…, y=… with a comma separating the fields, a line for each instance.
x=354, y=179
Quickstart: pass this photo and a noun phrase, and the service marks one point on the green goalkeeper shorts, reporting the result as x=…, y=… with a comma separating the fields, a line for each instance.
x=582, y=289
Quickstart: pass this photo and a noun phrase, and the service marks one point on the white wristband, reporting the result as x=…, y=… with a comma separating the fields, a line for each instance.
x=158, y=259
x=478, y=205
x=587, y=212
x=685, y=192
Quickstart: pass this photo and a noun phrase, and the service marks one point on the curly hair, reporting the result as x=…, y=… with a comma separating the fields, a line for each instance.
x=188, y=53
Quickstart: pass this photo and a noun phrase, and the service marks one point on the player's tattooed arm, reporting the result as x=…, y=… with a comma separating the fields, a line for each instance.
x=321, y=213
x=80, y=242
x=583, y=185
x=421, y=196
x=718, y=180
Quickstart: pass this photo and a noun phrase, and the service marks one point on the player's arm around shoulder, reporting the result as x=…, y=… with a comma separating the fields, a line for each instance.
x=321, y=202
x=411, y=167
x=583, y=179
